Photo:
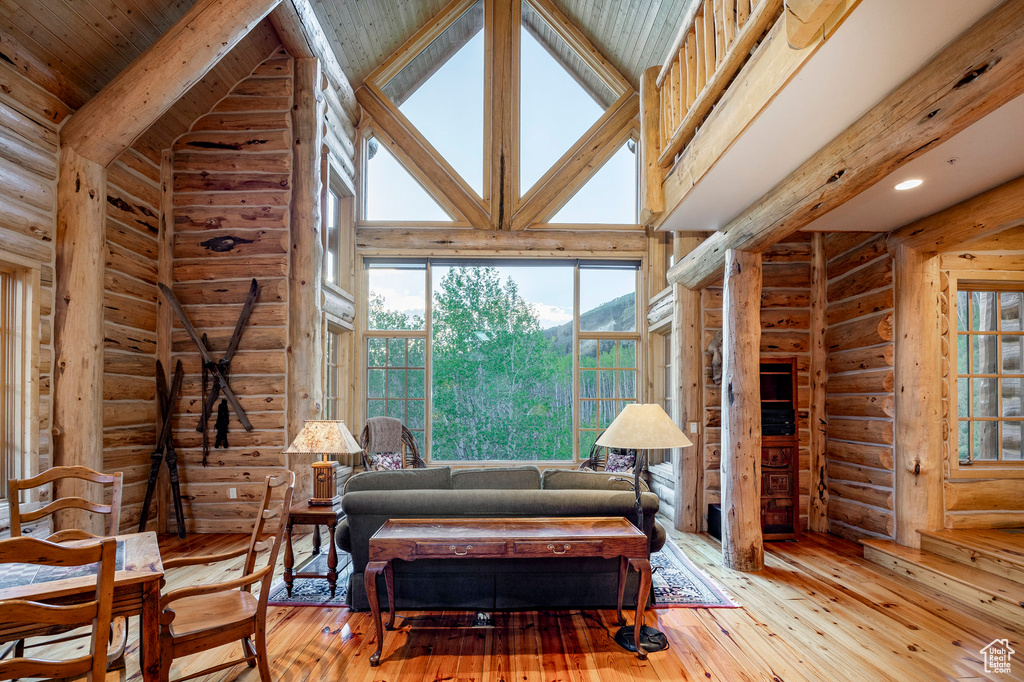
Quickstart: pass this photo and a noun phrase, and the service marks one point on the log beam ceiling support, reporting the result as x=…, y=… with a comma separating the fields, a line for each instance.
x=90, y=140
x=805, y=19
x=305, y=327
x=918, y=388
x=976, y=74
x=742, y=542
x=687, y=395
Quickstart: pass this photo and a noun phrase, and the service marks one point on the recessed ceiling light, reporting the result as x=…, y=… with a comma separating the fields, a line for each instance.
x=909, y=184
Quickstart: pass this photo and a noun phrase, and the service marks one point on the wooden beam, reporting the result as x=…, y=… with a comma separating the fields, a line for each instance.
x=720, y=77
x=300, y=31
x=577, y=165
x=975, y=219
x=78, y=328
x=305, y=327
x=687, y=396
x=652, y=194
x=111, y=121
x=975, y=75
x=918, y=376
x=430, y=169
x=742, y=544
x=503, y=88
x=817, y=509
x=805, y=19
x=373, y=240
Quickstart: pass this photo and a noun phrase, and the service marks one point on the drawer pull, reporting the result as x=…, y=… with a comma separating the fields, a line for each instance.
x=458, y=553
x=565, y=548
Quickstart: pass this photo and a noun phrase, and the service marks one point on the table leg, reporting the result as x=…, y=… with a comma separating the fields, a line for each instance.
x=289, y=558
x=389, y=582
x=370, y=573
x=316, y=540
x=149, y=643
x=644, y=567
x=623, y=567
x=332, y=559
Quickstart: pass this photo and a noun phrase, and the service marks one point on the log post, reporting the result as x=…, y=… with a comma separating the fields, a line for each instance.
x=504, y=17
x=687, y=395
x=305, y=324
x=742, y=547
x=78, y=329
x=918, y=388
x=817, y=507
x=164, y=316
x=652, y=193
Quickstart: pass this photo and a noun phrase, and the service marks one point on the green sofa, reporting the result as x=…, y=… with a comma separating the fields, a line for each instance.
x=373, y=497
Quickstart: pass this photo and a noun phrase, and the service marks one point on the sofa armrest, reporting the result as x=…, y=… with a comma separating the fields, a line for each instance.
x=343, y=536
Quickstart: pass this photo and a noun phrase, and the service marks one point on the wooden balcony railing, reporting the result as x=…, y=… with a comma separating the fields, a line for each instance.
x=713, y=43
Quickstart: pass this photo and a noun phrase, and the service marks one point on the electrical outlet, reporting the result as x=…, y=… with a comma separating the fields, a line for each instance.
x=233, y=493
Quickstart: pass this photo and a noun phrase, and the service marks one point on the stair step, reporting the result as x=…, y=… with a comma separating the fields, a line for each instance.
x=985, y=592
x=996, y=551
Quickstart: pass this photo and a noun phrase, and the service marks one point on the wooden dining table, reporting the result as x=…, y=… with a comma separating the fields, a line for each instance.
x=136, y=593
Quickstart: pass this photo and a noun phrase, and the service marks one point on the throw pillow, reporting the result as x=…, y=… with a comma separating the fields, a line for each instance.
x=619, y=461
x=386, y=461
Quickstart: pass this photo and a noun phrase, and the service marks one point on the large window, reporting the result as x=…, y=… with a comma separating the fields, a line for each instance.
x=990, y=375
x=524, y=360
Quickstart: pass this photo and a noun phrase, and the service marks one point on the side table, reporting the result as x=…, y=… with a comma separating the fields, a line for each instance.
x=306, y=515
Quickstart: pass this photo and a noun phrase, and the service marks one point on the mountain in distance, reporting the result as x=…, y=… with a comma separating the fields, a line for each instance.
x=616, y=315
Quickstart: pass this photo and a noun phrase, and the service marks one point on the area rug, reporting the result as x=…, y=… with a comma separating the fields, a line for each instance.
x=677, y=583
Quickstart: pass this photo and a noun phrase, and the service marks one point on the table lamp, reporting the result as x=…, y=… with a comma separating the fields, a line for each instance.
x=642, y=427
x=325, y=438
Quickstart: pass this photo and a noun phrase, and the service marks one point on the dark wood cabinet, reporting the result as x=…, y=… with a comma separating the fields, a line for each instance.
x=780, y=450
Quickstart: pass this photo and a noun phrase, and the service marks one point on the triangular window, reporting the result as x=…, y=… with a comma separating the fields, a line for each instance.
x=609, y=196
x=560, y=97
x=441, y=92
x=392, y=194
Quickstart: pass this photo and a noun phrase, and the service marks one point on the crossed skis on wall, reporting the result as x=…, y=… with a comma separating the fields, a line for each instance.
x=218, y=370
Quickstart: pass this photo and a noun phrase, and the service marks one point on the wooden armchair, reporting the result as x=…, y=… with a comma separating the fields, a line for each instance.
x=94, y=613
x=410, y=452
x=597, y=459
x=111, y=527
x=203, y=617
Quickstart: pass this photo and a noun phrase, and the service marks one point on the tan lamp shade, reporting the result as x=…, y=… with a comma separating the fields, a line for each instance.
x=643, y=427
x=324, y=437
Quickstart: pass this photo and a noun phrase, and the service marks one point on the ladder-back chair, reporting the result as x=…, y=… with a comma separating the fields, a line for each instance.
x=202, y=617
x=55, y=475
x=94, y=613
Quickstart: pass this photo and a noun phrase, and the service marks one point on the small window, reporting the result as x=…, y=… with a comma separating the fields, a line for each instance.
x=332, y=382
x=397, y=299
x=392, y=193
x=609, y=196
x=16, y=373
x=990, y=375
x=332, y=248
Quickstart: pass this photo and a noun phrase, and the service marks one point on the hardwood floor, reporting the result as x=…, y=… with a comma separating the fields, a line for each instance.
x=819, y=611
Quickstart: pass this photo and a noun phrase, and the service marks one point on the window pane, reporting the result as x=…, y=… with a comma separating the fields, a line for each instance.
x=986, y=441
x=588, y=414
x=608, y=413
x=396, y=409
x=416, y=415
x=961, y=311
x=983, y=311
x=964, y=440
x=396, y=383
x=588, y=353
x=375, y=383
x=1011, y=440
x=962, y=359
x=376, y=352
x=1011, y=310
x=607, y=299
x=986, y=401
x=627, y=383
x=1013, y=350
x=416, y=383
x=441, y=92
x=392, y=193
x=963, y=403
x=609, y=355
x=397, y=298
x=417, y=353
x=587, y=439
x=588, y=384
x=627, y=353
x=983, y=354
x=396, y=352
x=375, y=408
x=1011, y=397
x=501, y=354
x=607, y=197
x=331, y=228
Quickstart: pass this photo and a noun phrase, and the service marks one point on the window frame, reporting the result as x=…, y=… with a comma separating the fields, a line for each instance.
x=639, y=333
x=974, y=281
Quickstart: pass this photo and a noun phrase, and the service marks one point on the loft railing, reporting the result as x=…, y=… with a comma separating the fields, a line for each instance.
x=714, y=42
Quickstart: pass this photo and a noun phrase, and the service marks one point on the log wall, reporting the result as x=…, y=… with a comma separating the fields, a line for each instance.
x=29, y=117
x=859, y=393
x=130, y=314
x=231, y=193
x=785, y=332
x=979, y=501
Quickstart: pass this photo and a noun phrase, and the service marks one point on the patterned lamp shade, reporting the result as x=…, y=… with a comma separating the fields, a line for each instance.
x=324, y=438
x=643, y=427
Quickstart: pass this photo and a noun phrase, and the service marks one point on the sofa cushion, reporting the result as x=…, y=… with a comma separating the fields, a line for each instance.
x=564, y=479
x=497, y=478
x=433, y=478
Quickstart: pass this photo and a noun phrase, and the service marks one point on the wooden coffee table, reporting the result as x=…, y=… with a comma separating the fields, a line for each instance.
x=308, y=515
x=518, y=538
